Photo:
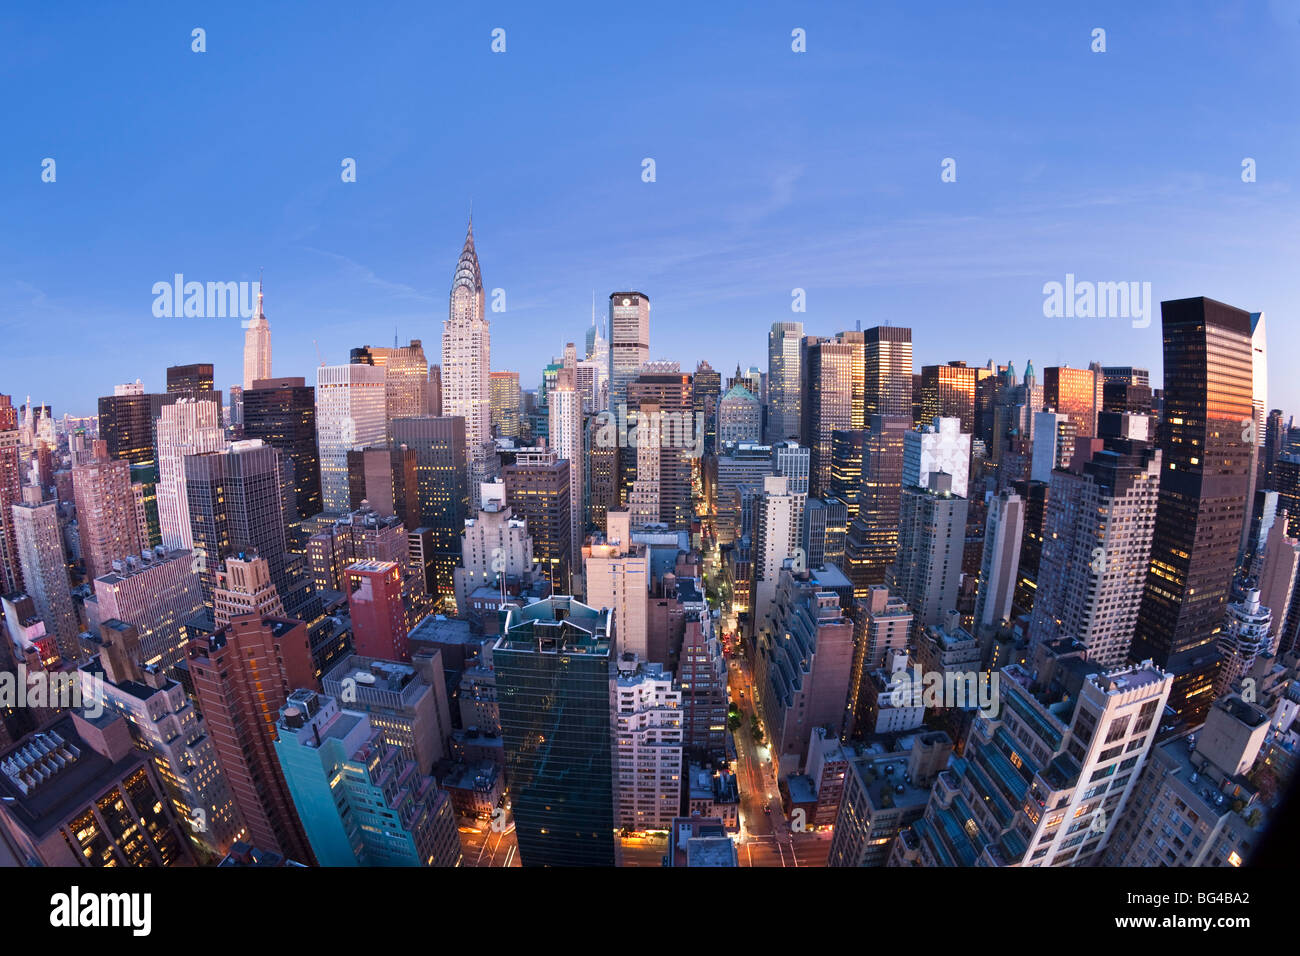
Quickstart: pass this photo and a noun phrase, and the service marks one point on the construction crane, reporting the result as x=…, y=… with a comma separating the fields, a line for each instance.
x=318, y=355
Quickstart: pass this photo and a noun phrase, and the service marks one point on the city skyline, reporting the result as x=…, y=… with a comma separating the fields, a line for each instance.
x=849, y=207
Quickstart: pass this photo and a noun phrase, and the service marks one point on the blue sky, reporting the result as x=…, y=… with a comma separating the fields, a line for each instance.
x=775, y=171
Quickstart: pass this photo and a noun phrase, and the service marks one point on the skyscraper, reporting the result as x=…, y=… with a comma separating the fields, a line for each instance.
x=537, y=489
x=506, y=400
x=647, y=706
x=784, y=359
x=466, y=361
x=629, y=342
x=190, y=380
x=1003, y=529
x=553, y=667
x=243, y=675
x=375, y=602
x=188, y=427
x=257, y=345
x=888, y=371
x=872, y=540
x=351, y=413
x=440, y=478
x=236, y=508
x=340, y=769
x=617, y=575
x=106, y=511
x=675, y=438
x=10, y=495
x=1096, y=549
x=825, y=402
x=948, y=391
x=282, y=413
x=44, y=572
x=931, y=534
x=407, y=382
x=156, y=595
x=1076, y=393
x=778, y=518
x=1203, y=486
x=566, y=434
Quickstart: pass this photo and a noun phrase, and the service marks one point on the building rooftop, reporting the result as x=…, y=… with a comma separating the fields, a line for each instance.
x=49, y=775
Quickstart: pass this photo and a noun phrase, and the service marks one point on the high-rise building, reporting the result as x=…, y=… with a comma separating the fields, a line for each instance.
x=406, y=392
x=1076, y=393
x=44, y=572
x=244, y=587
x=351, y=413
x=884, y=793
x=243, y=675
x=740, y=417
x=668, y=431
x=617, y=577
x=440, y=475
x=257, y=345
x=926, y=572
x=1246, y=637
x=378, y=618
x=803, y=666
x=1004, y=527
x=1279, y=578
x=1203, y=487
x=1054, y=442
x=1046, y=774
x=126, y=425
x=81, y=793
x=106, y=511
x=1096, y=549
x=566, y=438
x=706, y=388
x=553, y=666
x=506, y=401
x=164, y=722
x=647, y=705
x=236, y=508
x=435, y=391
x=340, y=769
x=190, y=380
x=1193, y=805
x=188, y=427
x=941, y=447
x=156, y=594
x=888, y=371
x=883, y=624
x=948, y=391
x=702, y=673
x=629, y=342
x=10, y=495
x=282, y=413
x=872, y=539
x=778, y=519
x=537, y=490
x=386, y=477
x=784, y=357
x=494, y=546
x=825, y=402
x=407, y=702
x=466, y=360
x=1035, y=496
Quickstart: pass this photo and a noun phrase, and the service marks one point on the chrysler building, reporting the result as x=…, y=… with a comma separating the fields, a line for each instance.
x=466, y=388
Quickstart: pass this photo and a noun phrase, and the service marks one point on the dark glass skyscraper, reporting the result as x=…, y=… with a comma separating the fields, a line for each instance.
x=1203, y=488
x=552, y=665
x=282, y=412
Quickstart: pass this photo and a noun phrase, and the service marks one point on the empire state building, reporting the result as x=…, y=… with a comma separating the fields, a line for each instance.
x=257, y=346
x=466, y=383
